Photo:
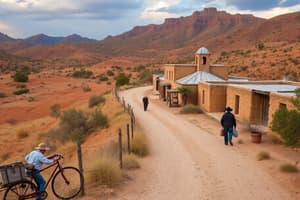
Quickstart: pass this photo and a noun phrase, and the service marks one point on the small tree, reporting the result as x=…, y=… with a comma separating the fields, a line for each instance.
x=122, y=79
x=287, y=122
x=185, y=91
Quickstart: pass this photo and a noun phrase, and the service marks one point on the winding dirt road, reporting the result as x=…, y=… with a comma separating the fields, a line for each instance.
x=188, y=163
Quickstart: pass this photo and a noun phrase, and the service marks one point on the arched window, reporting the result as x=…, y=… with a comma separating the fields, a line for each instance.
x=204, y=60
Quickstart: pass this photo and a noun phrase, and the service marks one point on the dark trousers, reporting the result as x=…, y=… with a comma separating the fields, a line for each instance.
x=145, y=106
x=228, y=132
x=40, y=181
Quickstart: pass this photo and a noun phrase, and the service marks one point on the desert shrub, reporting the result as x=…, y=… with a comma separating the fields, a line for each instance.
x=86, y=88
x=97, y=120
x=2, y=95
x=55, y=110
x=260, y=45
x=289, y=168
x=82, y=74
x=110, y=73
x=20, y=76
x=73, y=125
x=21, y=91
x=263, y=156
x=102, y=77
x=130, y=162
x=276, y=140
x=190, y=108
x=22, y=134
x=122, y=79
x=139, y=145
x=139, y=68
x=95, y=100
x=30, y=99
x=104, y=171
x=287, y=124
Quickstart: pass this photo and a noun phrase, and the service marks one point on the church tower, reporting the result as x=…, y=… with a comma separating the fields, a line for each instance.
x=202, y=59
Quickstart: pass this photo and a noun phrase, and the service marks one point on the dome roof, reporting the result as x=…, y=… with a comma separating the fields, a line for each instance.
x=202, y=50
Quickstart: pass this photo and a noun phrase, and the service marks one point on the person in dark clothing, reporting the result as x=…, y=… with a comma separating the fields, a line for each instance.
x=145, y=102
x=228, y=122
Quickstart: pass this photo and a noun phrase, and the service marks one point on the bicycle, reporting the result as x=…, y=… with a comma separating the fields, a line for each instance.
x=66, y=183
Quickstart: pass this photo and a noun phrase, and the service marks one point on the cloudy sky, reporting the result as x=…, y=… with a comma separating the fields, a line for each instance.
x=99, y=18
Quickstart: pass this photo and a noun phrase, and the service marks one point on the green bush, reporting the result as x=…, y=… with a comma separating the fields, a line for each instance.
x=190, y=108
x=103, y=77
x=82, y=74
x=97, y=120
x=95, y=100
x=287, y=124
x=21, y=91
x=122, y=79
x=20, y=76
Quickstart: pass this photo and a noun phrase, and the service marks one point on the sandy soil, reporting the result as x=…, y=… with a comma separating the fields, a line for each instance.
x=189, y=160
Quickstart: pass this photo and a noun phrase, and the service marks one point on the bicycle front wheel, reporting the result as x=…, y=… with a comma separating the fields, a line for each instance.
x=67, y=183
x=20, y=191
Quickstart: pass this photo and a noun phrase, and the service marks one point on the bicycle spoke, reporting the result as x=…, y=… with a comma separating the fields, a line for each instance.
x=22, y=190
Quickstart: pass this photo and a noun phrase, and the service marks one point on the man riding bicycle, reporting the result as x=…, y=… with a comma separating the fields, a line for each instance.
x=37, y=159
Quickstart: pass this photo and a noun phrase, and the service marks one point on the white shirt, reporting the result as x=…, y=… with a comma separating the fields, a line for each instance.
x=37, y=159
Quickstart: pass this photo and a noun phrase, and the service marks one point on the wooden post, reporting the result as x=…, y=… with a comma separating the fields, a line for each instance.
x=79, y=155
x=120, y=148
x=131, y=122
x=128, y=139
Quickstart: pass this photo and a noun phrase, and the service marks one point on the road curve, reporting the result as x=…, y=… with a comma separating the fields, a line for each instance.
x=188, y=163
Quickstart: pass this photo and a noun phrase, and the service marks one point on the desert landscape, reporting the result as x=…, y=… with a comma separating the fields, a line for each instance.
x=68, y=71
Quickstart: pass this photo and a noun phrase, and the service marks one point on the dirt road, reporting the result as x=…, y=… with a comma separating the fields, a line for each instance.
x=188, y=163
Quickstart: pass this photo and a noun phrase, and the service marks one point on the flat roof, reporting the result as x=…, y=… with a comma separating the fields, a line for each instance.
x=280, y=88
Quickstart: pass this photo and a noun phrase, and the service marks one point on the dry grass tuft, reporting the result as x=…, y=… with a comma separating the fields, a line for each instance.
x=139, y=145
x=288, y=168
x=130, y=162
x=190, y=108
x=104, y=171
x=263, y=156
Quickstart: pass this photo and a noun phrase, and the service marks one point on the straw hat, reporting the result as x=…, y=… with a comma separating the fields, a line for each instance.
x=42, y=146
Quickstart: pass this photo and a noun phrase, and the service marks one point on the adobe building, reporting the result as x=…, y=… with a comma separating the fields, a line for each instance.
x=212, y=89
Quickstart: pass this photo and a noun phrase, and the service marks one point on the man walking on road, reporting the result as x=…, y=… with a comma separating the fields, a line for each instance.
x=145, y=102
x=228, y=122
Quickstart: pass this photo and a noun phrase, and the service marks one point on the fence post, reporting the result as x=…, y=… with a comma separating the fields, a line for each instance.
x=128, y=139
x=120, y=148
x=79, y=155
x=131, y=122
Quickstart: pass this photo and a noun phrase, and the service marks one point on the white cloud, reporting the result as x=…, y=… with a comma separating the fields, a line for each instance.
x=7, y=29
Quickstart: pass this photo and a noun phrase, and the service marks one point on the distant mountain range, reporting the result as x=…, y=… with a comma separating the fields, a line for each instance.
x=174, y=40
x=42, y=39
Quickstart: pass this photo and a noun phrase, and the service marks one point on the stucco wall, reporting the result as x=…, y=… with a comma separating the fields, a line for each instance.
x=245, y=102
x=220, y=71
x=217, y=98
x=275, y=101
x=203, y=96
x=173, y=72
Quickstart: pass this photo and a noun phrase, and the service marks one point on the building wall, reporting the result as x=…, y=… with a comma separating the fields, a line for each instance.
x=277, y=100
x=220, y=71
x=217, y=98
x=243, y=113
x=203, y=96
x=173, y=72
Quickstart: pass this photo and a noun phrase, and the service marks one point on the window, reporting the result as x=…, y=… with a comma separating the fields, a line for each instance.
x=204, y=60
x=282, y=105
x=237, y=105
x=203, y=96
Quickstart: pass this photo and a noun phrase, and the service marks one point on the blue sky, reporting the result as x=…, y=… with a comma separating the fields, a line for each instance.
x=99, y=18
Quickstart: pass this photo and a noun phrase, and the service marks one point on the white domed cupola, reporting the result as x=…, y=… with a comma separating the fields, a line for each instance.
x=201, y=59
